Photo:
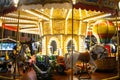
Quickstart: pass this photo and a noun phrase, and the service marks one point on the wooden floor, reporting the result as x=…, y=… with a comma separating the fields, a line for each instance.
x=31, y=75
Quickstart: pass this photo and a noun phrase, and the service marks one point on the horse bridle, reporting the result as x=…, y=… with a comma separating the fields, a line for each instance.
x=94, y=56
x=102, y=53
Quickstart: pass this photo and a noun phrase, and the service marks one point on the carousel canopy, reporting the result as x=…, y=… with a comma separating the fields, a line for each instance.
x=46, y=17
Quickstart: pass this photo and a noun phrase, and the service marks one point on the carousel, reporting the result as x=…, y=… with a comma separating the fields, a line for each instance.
x=63, y=27
x=54, y=24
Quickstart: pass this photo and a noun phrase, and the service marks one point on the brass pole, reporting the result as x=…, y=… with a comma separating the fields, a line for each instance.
x=2, y=37
x=118, y=42
x=118, y=47
x=16, y=69
x=18, y=28
x=90, y=40
x=72, y=40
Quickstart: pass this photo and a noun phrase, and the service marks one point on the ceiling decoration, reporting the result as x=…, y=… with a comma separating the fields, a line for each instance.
x=38, y=4
x=47, y=19
x=42, y=17
x=107, y=6
x=43, y=2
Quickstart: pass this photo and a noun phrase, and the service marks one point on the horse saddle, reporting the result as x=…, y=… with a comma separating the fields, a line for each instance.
x=84, y=57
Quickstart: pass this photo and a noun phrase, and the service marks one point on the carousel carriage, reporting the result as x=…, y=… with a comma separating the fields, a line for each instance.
x=42, y=75
x=104, y=30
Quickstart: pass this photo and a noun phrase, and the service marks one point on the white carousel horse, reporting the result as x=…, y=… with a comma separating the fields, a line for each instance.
x=96, y=52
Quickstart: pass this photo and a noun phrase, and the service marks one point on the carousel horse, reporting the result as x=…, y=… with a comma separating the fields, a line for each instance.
x=96, y=52
x=25, y=56
x=21, y=55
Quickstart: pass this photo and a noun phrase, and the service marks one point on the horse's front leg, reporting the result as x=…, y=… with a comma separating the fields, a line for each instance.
x=93, y=66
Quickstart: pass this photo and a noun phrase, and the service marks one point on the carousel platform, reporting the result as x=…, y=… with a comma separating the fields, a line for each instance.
x=31, y=75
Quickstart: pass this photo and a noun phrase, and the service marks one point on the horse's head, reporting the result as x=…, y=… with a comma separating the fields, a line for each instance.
x=98, y=52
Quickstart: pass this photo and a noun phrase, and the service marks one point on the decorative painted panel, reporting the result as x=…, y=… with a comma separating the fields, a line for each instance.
x=46, y=28
x=75, y=27
x=58, y=27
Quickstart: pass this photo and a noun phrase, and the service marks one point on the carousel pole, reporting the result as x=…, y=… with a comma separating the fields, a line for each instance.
x=18, y=34
x=2, y=37
x=90, y=40
x=16, y=69
x=72, y=41
x=118, y=42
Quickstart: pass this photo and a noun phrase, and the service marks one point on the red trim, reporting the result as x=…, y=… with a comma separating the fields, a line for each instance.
x=12, y=28
x=93, y=7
